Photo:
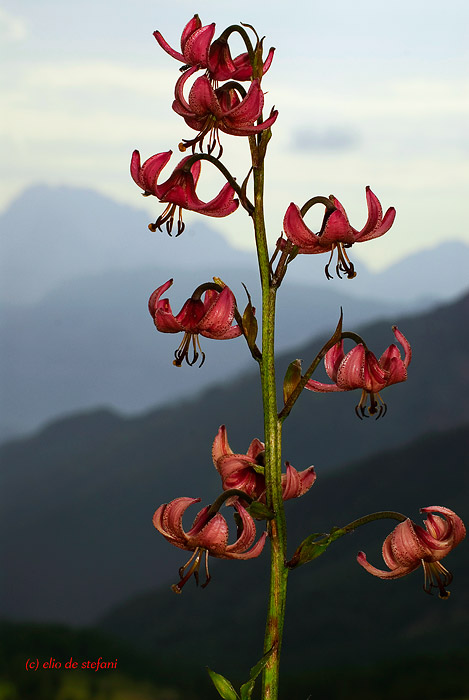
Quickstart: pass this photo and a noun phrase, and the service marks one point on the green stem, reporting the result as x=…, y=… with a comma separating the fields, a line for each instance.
x=272, y=437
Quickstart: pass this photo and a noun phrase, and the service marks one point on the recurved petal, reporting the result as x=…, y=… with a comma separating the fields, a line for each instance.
x=181, y=106
x=230, y=127
x=218, y=318
x=248, y=533
x=255, y=448
x=314, y=385
x=376, y=225
x=332, y=360
x=203, y=100
x=337, y=229
x=220, y=445
x=407, y=547
x=195, y=46
x=382, y=229
x=400, y=337
x=295, y=483
x=168, y=517
x=375, y=377
x=146, y=175
x=457, y=525
x=223, y=204
x=297, y=231
x=351, y=371
x=154, y=300
x=230, y=464
x=396, y=371
x=213, y=536
x=193, y=24
x=166, y=47
x=190, y=315
x=398, y=572
x=388, y=554
x=389, y=355
x=375, y=214
x=249, y=109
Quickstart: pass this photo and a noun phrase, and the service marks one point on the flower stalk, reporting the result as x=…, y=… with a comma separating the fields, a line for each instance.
x=272, y=436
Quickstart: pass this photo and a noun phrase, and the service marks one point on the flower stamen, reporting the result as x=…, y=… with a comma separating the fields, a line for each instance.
x=436, y=576
x=375, y=407
x=194, y=569
x=182, y=352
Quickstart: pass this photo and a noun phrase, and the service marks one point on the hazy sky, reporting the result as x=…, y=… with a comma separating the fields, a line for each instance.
x=369, y=93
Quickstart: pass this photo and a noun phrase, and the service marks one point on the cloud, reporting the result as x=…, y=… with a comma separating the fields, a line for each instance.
x=331, y=138
x=12, y=29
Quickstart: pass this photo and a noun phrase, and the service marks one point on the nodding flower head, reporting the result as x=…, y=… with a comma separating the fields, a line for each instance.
x=207, y=536
x=199, y=51
x=336, y=232
x=178, y=191
x=246, y=471
x=359, y=369
x=209, y=312
x=228, y=108
x=410, y=546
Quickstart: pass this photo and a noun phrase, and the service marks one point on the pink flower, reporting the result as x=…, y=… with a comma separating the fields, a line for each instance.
x=211, y=317
x=198, y=50
x=227, y=108
x=178, y=190
x=195, y=43
x=246, y=471
x=359, y=369
x=208, y=535
x=222, y=66
x=336, y=232
x=409, y=546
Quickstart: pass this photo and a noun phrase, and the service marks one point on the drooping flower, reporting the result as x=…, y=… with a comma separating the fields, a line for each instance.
x=246, y=471
x=228, y=108
x=336, y=232
x=211, y=317
x=198, y=50
x=221, y=66
x=195, y=43
x=178, y=191
x=359, y=369
x=207, y=536
x=409, y=546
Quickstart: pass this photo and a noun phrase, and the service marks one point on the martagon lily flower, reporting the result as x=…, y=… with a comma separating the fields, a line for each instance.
x=246, y=471
x=207, y=536
x=211, y=317
x=227, y=108
x=410, y=546
x=359, y=369
x=198, y=50
x=178, y=190
x=336, y=232
x=195, y=43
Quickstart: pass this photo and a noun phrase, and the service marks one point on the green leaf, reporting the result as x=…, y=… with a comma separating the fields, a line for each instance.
x=247, y=688
x=250, y=324
x=292, y=379
x=259, y=511
x=223, y=686
x=312, y=547
x=255, y=670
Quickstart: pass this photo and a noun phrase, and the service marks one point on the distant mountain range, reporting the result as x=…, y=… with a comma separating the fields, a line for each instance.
x=77, y=270
x=52, y=235
x=80, y=494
